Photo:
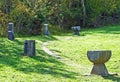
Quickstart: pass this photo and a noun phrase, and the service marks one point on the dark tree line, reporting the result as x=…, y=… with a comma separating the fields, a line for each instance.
x=28, y=16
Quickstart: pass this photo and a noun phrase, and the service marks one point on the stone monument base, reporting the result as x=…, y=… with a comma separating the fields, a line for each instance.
x=99, y=69
x=11, y=35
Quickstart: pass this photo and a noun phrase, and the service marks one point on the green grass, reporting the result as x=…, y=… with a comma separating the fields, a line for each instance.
x=14, y=67
x=76, y=47
x=42, y=67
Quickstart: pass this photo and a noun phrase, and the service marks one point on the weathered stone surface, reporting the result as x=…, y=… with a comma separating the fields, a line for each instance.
x=46, y=31
x=11, y=35
x=76, y=30
x=98, y=58
x=11, y=32
x=11, y=26
x=29, y=47
x=99, y=69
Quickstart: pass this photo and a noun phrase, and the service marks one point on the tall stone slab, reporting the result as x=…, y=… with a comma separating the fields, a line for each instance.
x=29, y=47
x=46, y=30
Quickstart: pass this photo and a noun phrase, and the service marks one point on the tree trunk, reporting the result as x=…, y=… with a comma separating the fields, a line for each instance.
x=84, y=12
x=8, y=6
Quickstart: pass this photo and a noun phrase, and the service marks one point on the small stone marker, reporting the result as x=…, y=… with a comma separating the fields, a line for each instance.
x=76, y=30
x=98, y=58
x=10, y=31
x=29, y=47
x=46, y=31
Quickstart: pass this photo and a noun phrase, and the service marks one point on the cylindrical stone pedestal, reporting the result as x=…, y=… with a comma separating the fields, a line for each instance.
x=11, y=26
x=11, y=35
x=46, y=31
x=29, y=47
x=98, y=58
x=11, y=32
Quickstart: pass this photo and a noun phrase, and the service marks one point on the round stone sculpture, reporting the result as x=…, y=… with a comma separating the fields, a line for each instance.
x=98, y=58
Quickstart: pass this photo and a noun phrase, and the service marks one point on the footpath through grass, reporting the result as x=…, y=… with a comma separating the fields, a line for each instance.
x=14, y=67
x=75, y=48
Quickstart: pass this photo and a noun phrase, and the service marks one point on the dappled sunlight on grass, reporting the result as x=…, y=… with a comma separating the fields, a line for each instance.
x=75, y=48
x=16, y=67
x=11, y=56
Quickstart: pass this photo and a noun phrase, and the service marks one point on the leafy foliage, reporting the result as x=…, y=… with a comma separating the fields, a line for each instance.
x=31, y=14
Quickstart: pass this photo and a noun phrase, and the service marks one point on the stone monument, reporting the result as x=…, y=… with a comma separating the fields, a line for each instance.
x=29, y=47
x=76, y=30
x=11, y=31
x=46, y=31
x=98, y=58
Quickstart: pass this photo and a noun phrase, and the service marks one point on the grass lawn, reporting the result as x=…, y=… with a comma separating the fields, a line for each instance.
x=14, y=67
x=76, y=47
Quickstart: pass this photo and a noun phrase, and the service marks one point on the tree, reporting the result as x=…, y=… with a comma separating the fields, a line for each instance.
x=84, y=12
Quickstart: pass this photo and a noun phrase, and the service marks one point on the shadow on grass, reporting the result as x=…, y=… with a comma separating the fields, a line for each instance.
x=56, y=69
x=42, y=38
x=57, y=51
x=115, y=78
x=42, y=63
x=72, y=34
